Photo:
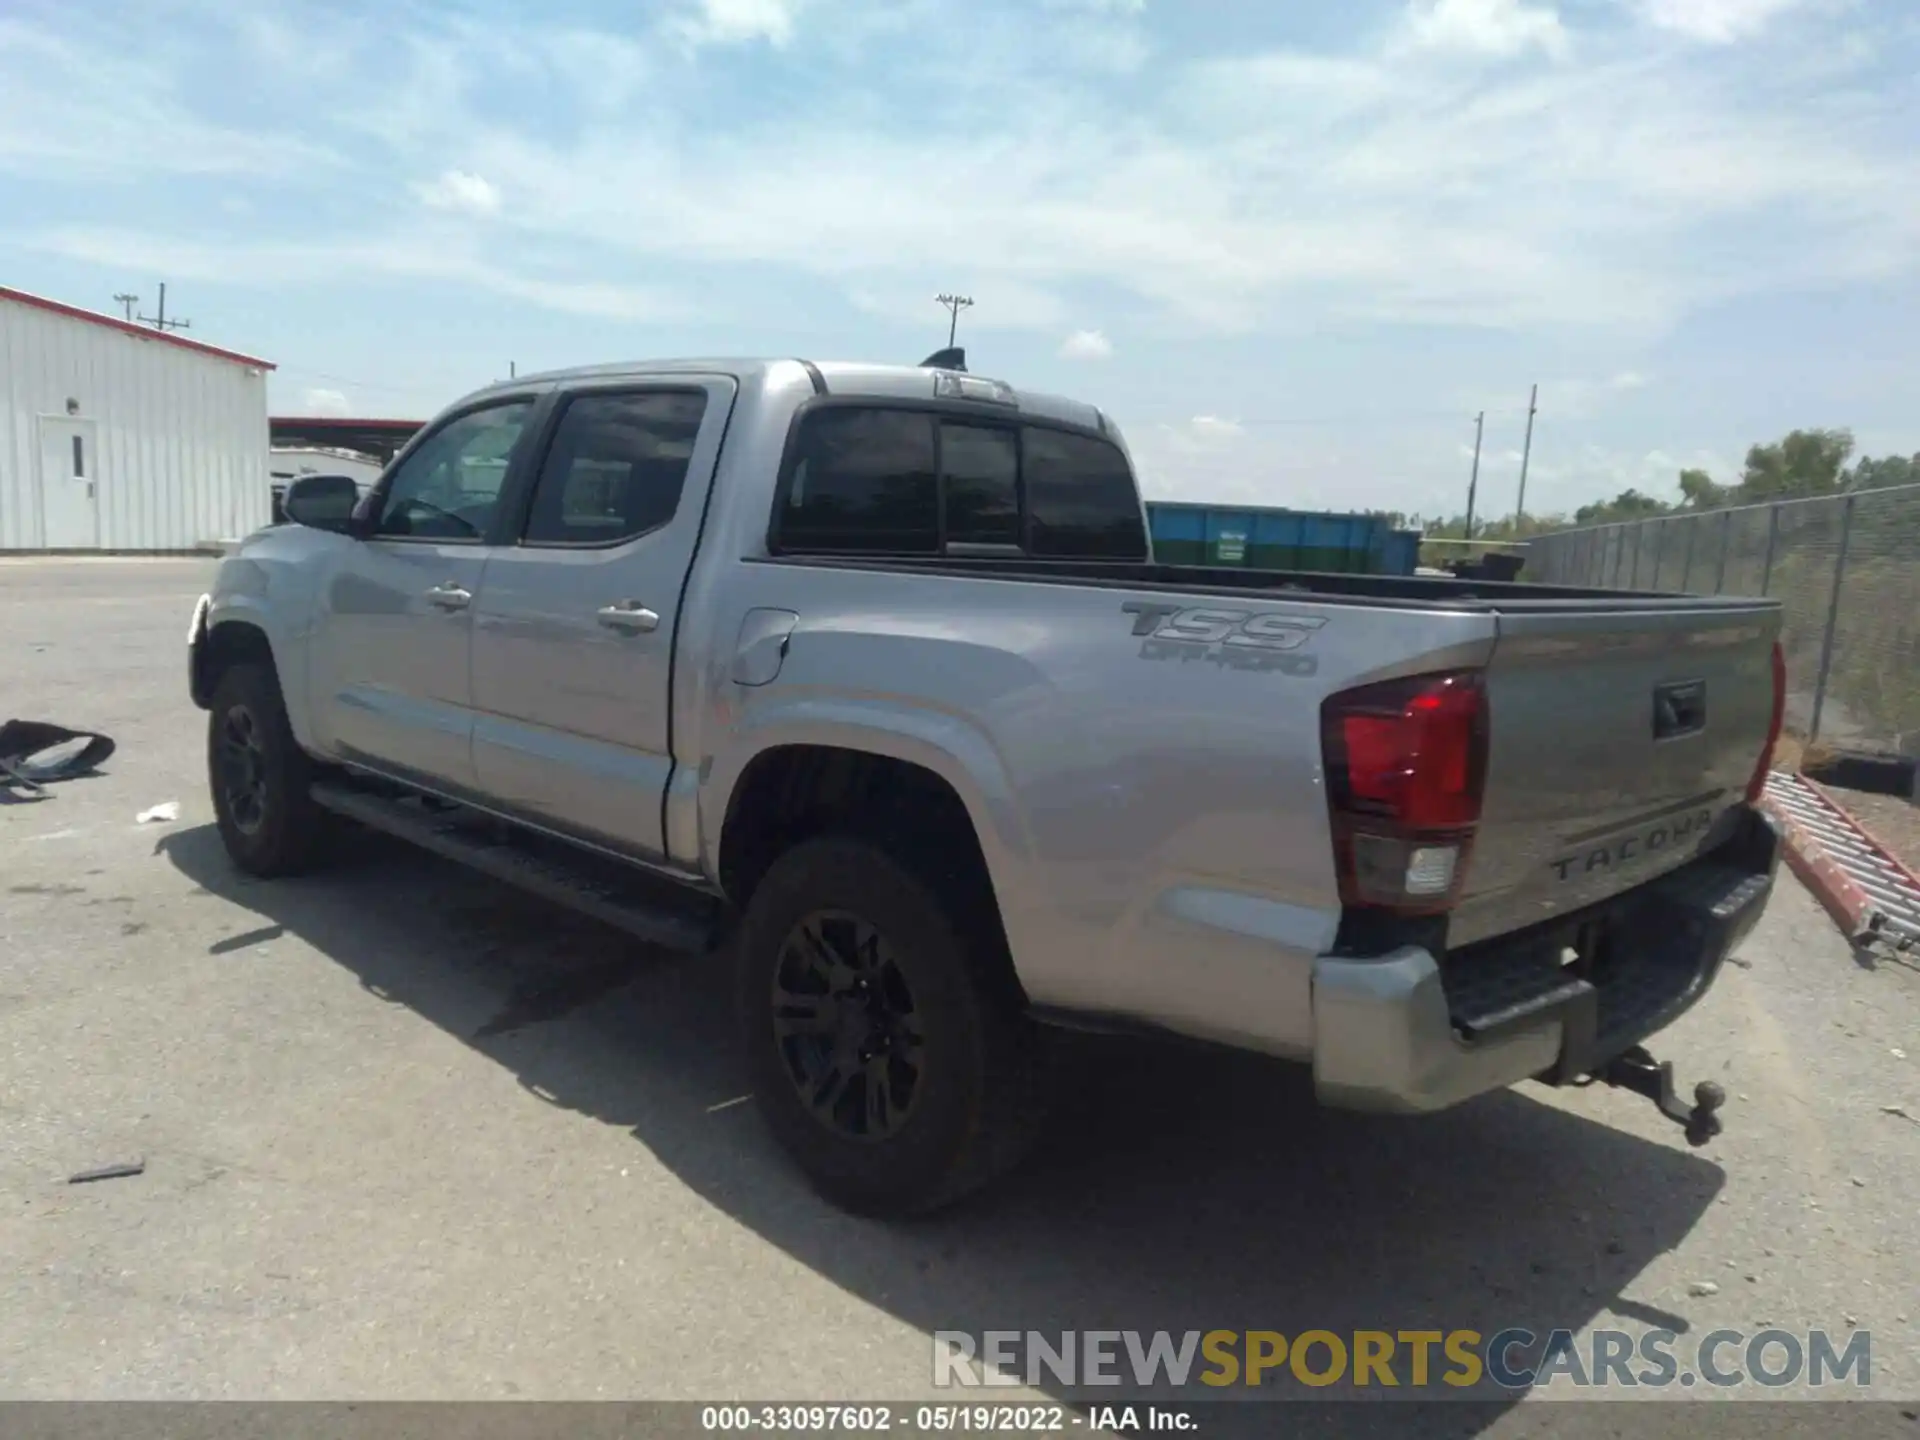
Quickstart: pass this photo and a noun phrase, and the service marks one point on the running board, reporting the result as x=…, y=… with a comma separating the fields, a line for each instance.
x=644, y=907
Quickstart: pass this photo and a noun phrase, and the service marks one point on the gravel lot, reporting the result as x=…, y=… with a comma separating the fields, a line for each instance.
x=409, y=1137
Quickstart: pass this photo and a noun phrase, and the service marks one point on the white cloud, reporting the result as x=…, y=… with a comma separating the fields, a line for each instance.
x=1718, y=22
x=1086, y=345
x=76, y=105
x=325, y=402
x=433, y=258
x=1351, y=185
x=1628, y=380
x=737, y=22
x=1487, y=27
x=460, y=191
x=1214, y=429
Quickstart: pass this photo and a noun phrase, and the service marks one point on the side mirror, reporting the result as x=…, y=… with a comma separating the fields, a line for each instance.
x=323, y=502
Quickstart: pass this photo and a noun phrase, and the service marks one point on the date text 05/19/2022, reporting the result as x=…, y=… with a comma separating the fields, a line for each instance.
x=943, y=1419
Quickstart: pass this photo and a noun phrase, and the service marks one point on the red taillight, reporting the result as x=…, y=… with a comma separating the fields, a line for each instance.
x=1406, y=766
x=1757, y=786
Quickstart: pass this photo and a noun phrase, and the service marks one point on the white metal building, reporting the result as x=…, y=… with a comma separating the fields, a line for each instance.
x=114, y=436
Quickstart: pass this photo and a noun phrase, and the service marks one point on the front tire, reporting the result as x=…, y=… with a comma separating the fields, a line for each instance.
x=886, y=1045
x=260, y=777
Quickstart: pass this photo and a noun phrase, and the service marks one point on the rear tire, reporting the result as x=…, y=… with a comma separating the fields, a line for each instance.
x=260, y=777
x=902, y=1094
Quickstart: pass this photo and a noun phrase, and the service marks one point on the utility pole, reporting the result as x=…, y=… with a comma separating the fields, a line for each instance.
x=955, y=304
x=513, y=371
x=127, y=302
x=1473, y=485
x=1526, y=454
x=160, y=321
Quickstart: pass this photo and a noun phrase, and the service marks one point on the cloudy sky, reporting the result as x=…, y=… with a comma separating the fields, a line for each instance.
x=1292, y=247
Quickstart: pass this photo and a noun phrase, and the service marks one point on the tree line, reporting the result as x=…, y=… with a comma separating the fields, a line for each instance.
x=1802, y=464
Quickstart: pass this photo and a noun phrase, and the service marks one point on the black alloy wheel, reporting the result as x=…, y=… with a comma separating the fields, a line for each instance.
x=243, y=769
x=846, y=1025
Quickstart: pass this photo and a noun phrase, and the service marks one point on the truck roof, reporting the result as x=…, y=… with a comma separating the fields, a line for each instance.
x=839, y=377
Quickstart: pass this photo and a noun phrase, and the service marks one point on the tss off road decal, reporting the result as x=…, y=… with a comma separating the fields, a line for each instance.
x=1233, y=639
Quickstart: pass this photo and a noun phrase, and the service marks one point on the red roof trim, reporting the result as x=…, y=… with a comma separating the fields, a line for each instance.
x=143, y=332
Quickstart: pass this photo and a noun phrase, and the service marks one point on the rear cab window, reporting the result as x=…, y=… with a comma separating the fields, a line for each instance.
x=901, y=481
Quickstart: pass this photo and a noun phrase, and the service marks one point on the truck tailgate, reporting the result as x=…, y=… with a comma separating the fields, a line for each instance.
x=1621, y=742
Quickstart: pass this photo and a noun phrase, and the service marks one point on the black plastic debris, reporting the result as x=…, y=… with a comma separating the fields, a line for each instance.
x=124, y=1171
x=35, y=754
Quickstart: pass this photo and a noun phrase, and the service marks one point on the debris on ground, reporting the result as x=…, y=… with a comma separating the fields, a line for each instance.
x=34, y=754
x=1700, y=1289
x=164, y=812
x=124, y=1171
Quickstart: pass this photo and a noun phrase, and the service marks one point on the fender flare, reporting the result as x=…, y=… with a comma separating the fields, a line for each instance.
x=945, y=744
x=244, y=610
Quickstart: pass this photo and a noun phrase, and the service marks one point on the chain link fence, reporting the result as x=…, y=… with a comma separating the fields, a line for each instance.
x=1846, y=568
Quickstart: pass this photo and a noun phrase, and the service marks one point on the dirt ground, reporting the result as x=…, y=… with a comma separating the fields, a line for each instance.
x=1894, y=822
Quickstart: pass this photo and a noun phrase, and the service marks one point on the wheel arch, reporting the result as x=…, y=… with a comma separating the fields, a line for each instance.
x=805, y=780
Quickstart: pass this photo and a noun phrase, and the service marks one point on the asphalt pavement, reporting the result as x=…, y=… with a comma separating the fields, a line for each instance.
x=408, y=1136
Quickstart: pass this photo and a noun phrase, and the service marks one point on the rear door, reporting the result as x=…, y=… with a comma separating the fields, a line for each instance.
x=1619, y=741
x=574, y=626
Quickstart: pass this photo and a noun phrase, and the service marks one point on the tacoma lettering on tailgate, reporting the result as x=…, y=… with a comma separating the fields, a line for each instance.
x=1625, y=850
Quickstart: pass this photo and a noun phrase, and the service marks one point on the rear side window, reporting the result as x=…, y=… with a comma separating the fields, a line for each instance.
x=863, y=482
x=616, y=467
x=1081, y=500
x=874, y=482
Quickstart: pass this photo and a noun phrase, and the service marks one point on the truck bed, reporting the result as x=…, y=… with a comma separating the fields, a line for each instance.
x=1595, y=782
x=1409, y=591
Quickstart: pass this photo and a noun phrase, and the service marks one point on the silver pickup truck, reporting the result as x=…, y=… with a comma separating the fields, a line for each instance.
x=864, y=677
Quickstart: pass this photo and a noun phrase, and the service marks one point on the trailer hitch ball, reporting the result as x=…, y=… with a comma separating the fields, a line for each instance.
x=1643, y=1075
x=1703, y=1121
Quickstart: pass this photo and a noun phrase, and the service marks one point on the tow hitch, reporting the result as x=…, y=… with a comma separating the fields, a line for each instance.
x=1643, y=1075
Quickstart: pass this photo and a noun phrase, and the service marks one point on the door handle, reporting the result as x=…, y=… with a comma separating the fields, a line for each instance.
x=630, y=616
x=449, y=597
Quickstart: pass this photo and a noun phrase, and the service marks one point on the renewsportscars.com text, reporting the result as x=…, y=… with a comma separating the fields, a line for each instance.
x=1432, y=1360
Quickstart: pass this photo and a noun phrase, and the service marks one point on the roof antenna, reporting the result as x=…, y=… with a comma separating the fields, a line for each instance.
x=954, y=357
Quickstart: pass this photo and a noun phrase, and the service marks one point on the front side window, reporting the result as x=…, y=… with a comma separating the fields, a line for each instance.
x=449, y=488
x=616, y=467
x=862, y=482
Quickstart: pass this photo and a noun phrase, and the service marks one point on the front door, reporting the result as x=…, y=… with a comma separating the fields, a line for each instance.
x=574, y=627
x=69, y=477
x=390, y=679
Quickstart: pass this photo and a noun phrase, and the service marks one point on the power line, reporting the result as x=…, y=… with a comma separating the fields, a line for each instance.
x=1378, y=417
x=160, y=322
x=955, y=304
x=127, y=302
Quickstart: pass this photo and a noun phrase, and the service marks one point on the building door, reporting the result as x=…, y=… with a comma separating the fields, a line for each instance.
x=69, y=477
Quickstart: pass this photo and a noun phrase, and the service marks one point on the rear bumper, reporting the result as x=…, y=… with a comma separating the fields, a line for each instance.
x=1407, y=1032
